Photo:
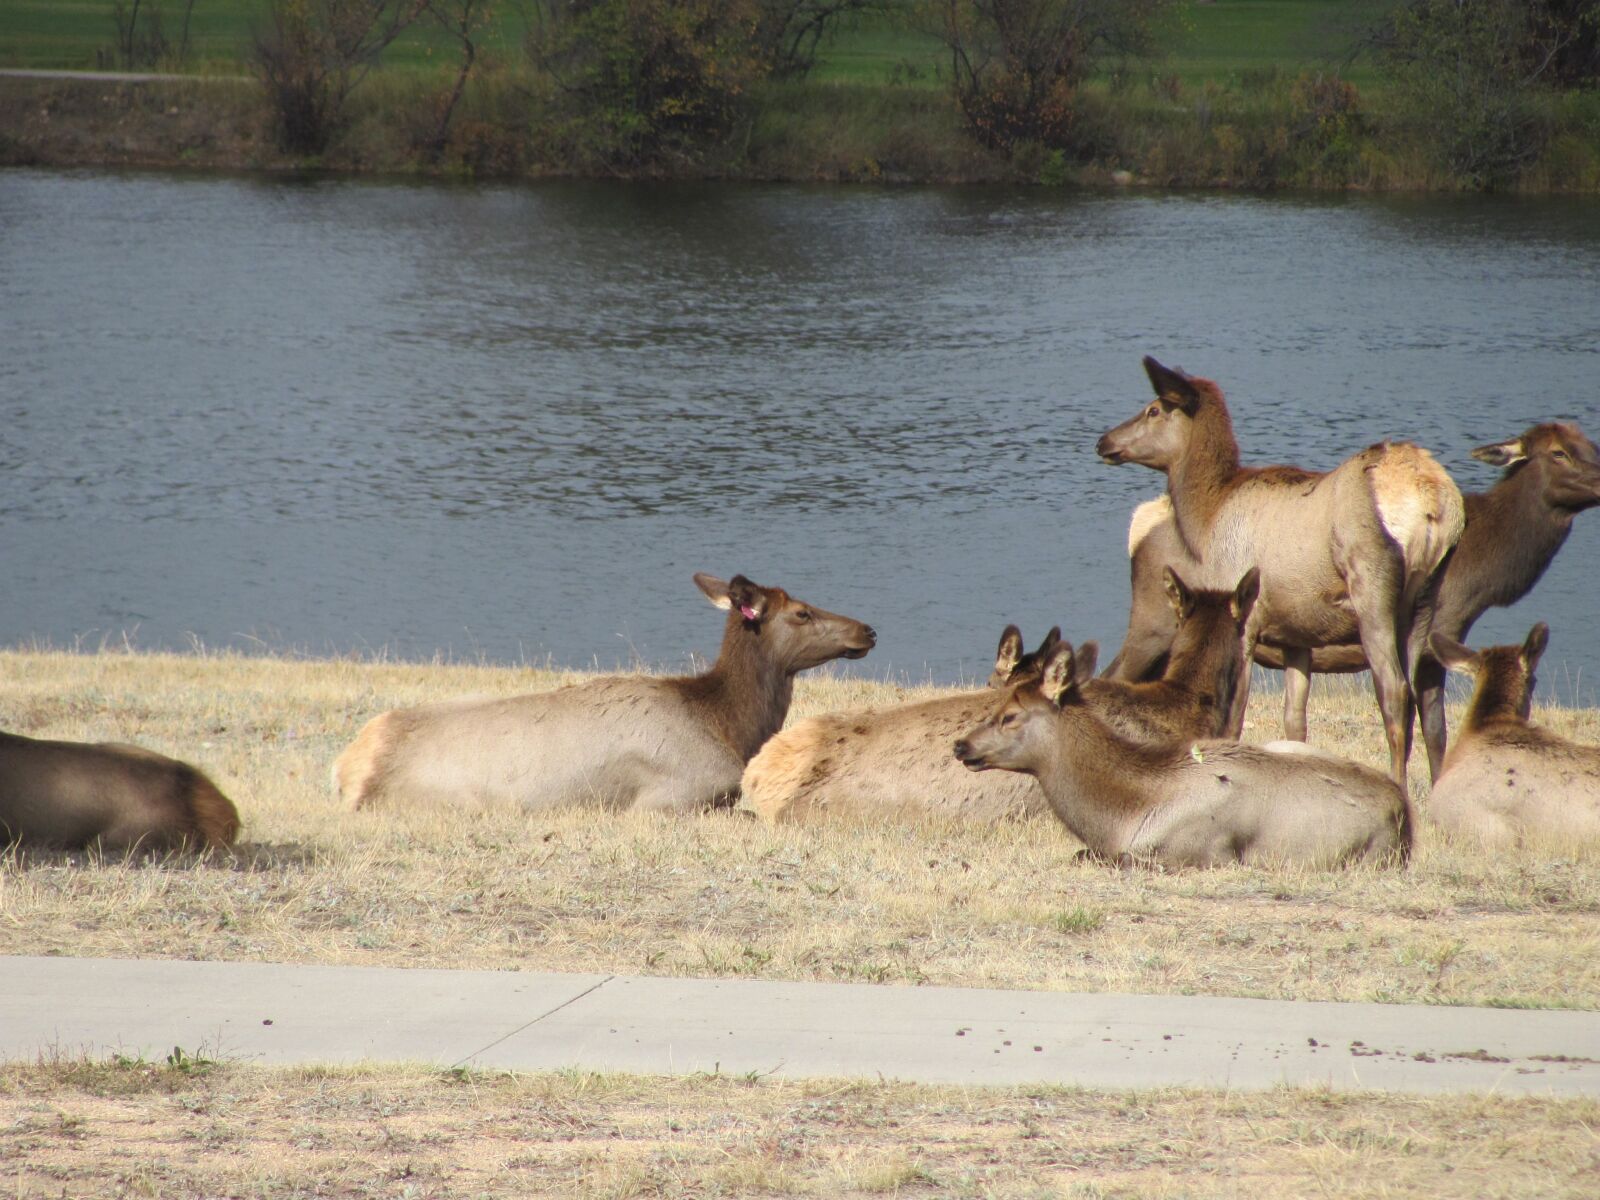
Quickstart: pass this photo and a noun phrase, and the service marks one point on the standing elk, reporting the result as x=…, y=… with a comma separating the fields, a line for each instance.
x=1506, y=780
x=671, y=743
x=73, y=795
x=1176, y=804
x=1512, y=533
x=1344, y=554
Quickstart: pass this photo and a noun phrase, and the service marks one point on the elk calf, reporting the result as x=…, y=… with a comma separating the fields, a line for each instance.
x=1506, y=780
x=623, y=742
x=72, y=795
x=893, y=762
x=1199, y=804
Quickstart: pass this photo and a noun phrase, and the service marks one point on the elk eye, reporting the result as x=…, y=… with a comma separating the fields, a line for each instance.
x=1008, y=719
x=1153, y=411
x=1559, y=454
x=803, y=614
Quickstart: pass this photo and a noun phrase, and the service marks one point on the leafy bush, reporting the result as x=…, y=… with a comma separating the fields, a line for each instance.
x=642, y=81
x=1016, y=64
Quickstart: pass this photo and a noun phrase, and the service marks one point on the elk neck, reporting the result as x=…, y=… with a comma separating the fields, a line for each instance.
x=745, y=695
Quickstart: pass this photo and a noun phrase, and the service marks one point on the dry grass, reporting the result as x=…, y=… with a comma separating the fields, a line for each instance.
x=726, y=896
x=196, y=1129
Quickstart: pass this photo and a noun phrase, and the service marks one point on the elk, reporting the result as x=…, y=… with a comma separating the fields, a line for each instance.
x=1506, y=780
x=1512, y=532
x=895, y=762
x=892, y=762
x=77, y=795
x=1344, y=554
x=1185, y=804
x=669, y=743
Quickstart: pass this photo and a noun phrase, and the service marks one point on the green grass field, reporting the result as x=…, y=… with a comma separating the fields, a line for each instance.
x=1226, y=42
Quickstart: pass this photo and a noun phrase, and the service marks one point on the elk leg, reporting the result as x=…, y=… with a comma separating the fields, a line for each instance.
x=1374, y=587
x=1430, y=703
x=1296, y=690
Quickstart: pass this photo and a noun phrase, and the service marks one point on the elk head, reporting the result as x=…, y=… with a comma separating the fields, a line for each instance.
x=1018, y=732
x=1565, y=462
x=1159, y=434
x=793, y=634
x=1505, y=674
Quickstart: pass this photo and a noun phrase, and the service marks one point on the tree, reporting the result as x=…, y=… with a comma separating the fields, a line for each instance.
x=1017, y=64
x=789, y=31
x=313, y=55
x=462, y=20
x=1471, y=73
x=639, y=81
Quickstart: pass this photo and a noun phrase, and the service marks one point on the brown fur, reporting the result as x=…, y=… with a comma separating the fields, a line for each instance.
x=73, y=795
x=1344, y=554
x=1507, y=781
x=1203, y=803
x=1511, y=534
x=1194, y=697
x=675, y=743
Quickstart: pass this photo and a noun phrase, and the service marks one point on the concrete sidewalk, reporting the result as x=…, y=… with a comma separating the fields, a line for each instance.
x=273, y=1014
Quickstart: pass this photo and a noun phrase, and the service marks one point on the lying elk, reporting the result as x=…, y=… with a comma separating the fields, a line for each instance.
x=622, y=742
x=896, y=761
x=1344, y=554
x=73, y=795
x=892, y=761
x=1512, y=533
x=1179, y=804
x=1506, y=780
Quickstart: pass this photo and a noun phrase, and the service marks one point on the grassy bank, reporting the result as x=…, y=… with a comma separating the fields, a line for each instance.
x=1249, y=93
x=139, y=1129
x=726, y=896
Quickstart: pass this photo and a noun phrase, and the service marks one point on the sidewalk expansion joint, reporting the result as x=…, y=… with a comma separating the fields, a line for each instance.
x=567, y=1003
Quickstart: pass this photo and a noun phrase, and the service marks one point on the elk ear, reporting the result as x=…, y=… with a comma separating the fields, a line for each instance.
x=1177, y=592
x=1085, y=660
x=1533, y=649
x=715, y=589
x=1452, y=653
x=1501, y=454
x=749, y=598
x=1051, y=641
x=1009, y=654
x=1246, y=594
x=1057, y=679
x=1173, y=386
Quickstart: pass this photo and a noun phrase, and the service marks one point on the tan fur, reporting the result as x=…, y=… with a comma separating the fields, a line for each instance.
x=1420, y=507
x=1204, y=803
x=1145, y=518
x=1344, y=554
x=1506, y=781
x=670, y=743
x=108, y=795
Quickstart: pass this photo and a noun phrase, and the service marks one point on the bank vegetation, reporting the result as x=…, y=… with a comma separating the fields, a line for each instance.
x=1404, y=94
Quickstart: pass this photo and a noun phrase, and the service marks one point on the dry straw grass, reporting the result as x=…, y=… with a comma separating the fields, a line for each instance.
x=721, y=895
x=194, y=1129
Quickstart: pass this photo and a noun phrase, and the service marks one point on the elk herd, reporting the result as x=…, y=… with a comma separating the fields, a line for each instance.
x=1379, y=564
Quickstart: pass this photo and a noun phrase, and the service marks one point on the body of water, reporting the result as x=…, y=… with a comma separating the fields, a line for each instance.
x=510, y=421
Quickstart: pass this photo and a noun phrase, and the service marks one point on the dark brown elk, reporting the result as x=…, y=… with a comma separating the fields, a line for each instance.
x=893, y=762
x=1204, y=667
x=1344, y=554
x=106, y=795
x=1185, y=804
x=1507, y=781
x=1512, y=533
x=671, y=743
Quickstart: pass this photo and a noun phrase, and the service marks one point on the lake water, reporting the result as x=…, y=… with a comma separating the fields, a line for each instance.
x=509, y=421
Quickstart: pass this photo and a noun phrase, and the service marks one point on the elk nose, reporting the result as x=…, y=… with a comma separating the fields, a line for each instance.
x=871, y=635
x=963, y=750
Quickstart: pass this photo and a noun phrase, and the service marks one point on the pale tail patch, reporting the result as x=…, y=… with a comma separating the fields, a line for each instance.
x=1419, y=505
x=1145, y=518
